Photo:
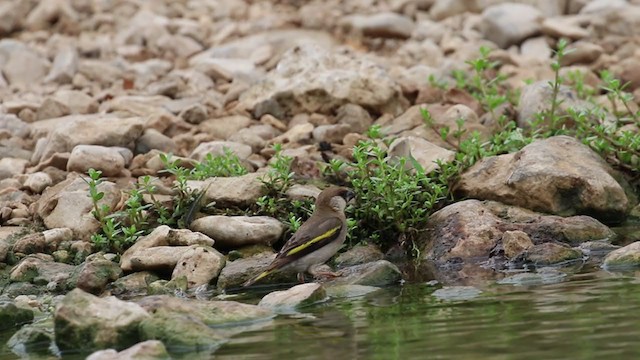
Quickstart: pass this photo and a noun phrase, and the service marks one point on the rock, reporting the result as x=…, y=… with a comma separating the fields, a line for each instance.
x=603, y=6
x=237, y=272
x=96, y=272
x=457, y=293
x=558, y=175
x=37, y=182
x=241, y=191
x=387, y=25
x=237, y=231
x=148, y=350
x=30, y=339
x=359, y=254
x=153, y=139
x=309, y=79
x=10, y=167
x=132, y=285
x=515, y=243
x=86, y=322
x=200, y=265
x=536, y=48
x=377, y=273
x=158, y=258
x=416, y=149
x=442, y=9
x=11, y=315
x=180, y=332
x=299, y=133
x=109, y=160
x=224, y=127
x=218, y=148
x=30, y=244
x=295, y=297
x=67, y=205
x=303, y=192
x=41, y=270
x=542, y=276
x=349, y=291
x=560, y=28
x=355, y=116
x=332, y=134
x=52, y=108
x=510, y=23
x=76, y=101
x=582, y=52
x=625, y=257
x=471, y=232
x=104, y=130
x=166, y=238
x=65, y=65
x=211, y=313
x=228, y=69
x=24, y=67
x=551, y=253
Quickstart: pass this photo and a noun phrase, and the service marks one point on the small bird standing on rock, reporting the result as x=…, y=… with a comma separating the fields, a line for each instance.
x=317, y=240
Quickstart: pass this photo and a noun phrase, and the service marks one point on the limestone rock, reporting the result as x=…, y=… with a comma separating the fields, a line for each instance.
x=240, y=191
x=218, y=148
x=388, y=25
x=297, y=296
x=109, y=160
x=96, y=273
x=200, y=265
x=377, y=273
x=148, y=350
x=309, y=79
x=423, y=152
x=510, y=23
x=627, y=256
x=551, y=253
x=359, y=254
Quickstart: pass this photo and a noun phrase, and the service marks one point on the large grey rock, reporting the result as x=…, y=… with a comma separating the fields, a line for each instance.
x=237, y=231
x=309, y=79
x=510, y=23
x=558, y=175
x=86, y=322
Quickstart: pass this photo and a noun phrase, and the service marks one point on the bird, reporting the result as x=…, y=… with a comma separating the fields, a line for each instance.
x=317, y=240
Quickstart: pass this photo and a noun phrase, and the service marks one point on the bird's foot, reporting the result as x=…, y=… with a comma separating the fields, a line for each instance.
x=301, y=278
x=323, y=272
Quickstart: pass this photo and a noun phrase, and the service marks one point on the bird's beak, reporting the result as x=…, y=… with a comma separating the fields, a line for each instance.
x=350, y=195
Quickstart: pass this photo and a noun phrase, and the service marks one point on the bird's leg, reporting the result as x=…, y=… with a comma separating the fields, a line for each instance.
x=323, y=271
x=301, y=278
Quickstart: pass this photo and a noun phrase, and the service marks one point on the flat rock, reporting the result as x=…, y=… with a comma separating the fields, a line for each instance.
x=237, y=231
x=240, y=191
x=110, y=160
x=297, y=296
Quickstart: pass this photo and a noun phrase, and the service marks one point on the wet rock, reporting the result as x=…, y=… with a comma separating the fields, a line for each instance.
x=297, y=296
x=349, y=291
x=359, y=254
x=96, y=272
x=510, y=23
x=166, y=238
x=558, y=175
x=237, y=272
x=414, y=149
x=211, y=313
x=110, y=160
x=471, y=232
x=457, y=293
x=377, y=273
x=66, y=205
x=30, y=339
x=541, y=277
x=180, y=332
x=237, y=231
x=148, y=350
x=104, y=130
x=309, y=79
x=11, y=315
x=625, y=257
x=515, y=243
x=200, y=265
x=551, y=253
x=218, y=148
x=85, y=322
x=132, y=285
x=41, y=270
x=387, y=25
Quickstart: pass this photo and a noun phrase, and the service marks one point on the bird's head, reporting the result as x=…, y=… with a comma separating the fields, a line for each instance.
x=334, y=198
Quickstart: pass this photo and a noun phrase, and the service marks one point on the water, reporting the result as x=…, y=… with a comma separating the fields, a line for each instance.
x=591, y=315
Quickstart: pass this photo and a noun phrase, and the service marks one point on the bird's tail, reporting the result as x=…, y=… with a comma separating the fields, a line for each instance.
x=257, y=277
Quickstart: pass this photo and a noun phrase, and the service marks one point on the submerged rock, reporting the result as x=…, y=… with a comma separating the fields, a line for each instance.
x=148, y=350
x=11, y=315
x=457, y=293
x=180, y=332
x=36, y=338
x=377, y=273
x=86, y=322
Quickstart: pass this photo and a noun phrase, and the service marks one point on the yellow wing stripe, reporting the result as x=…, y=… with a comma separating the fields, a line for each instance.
x=313, y=241
x=262, y=275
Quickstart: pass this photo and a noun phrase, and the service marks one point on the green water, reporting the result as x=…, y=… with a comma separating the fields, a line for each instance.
x=591, y=315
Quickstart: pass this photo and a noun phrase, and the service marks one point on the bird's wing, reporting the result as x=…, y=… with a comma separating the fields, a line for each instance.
x=307, y=239
x=311, y=236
